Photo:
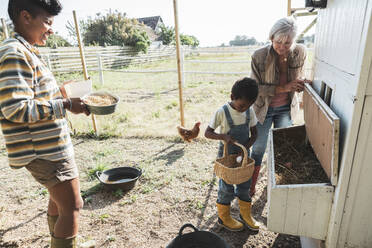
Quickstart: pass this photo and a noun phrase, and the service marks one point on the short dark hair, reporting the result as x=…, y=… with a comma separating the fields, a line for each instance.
x=34, y=7
x=245, y=88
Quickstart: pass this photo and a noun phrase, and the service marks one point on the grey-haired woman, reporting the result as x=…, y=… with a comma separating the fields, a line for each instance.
x=278, y=70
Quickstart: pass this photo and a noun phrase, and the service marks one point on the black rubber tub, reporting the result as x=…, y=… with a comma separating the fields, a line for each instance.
x=197, y=239
x=123, y=178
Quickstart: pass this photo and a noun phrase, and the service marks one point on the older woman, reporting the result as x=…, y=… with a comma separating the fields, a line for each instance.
x=278, y=69
x=32, y=112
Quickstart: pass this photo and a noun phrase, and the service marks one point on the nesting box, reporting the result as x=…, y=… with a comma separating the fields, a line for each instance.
x=297, y=205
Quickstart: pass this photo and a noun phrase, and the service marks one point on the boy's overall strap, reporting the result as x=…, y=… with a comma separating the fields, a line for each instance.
x=228, y=116
x=248, y=116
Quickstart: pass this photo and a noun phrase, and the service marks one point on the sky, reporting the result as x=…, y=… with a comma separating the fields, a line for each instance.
x=213, y=22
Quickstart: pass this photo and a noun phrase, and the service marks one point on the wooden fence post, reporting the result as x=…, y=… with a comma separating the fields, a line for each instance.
x=48, y=62
x=5, y=28
x=179, y=62
x=86, y=77
x=100, y=69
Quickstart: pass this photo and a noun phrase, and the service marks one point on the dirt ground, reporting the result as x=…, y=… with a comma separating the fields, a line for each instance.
x=177, y=187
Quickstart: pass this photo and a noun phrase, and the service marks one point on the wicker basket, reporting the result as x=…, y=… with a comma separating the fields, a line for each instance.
x=231, y=171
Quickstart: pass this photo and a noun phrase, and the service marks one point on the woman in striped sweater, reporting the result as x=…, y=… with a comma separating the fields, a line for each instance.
x=32, y=116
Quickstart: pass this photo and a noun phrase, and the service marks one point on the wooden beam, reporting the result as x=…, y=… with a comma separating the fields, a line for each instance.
x=179, y=62
x=307, y=29
x=305, y=13
x=86, y=77
x=289, y=8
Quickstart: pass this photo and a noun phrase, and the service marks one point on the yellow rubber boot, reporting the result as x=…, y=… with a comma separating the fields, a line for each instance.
x=63, y=243
x=51, y=223
x=245, y=215
x=225, y=219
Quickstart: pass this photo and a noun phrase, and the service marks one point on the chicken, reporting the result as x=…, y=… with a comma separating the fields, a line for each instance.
x=187, y=134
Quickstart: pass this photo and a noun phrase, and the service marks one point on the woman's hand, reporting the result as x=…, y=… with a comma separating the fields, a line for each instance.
x=295, y=85
x=76, y=106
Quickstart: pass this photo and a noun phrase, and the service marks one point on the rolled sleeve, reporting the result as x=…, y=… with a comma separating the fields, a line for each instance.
x=58, y=109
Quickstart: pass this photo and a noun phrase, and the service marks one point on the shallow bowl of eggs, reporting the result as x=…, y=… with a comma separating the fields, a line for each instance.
x=101, y=103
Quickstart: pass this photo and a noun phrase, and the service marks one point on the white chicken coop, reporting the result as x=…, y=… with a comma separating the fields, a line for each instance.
x=338, y=121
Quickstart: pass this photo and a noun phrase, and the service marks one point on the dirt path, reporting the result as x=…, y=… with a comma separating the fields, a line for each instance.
x=177, y=187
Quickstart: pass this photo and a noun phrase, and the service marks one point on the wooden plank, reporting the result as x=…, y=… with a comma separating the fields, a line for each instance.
x=307, y=217
x=293, y=213
x=322, y=128
x=277, y=210
x=322, y=212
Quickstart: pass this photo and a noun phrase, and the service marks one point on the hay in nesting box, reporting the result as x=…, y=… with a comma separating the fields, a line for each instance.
x=295, y=161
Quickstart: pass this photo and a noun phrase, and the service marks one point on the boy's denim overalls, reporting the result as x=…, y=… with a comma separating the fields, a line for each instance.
x=240, y=133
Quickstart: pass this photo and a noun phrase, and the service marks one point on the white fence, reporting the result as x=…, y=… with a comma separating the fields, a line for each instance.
x=114, y=58
x=67, y=59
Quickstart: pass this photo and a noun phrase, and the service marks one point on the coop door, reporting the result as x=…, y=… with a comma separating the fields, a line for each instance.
x=322, y=128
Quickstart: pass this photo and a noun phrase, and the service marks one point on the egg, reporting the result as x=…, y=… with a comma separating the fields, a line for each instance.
x=239, y=159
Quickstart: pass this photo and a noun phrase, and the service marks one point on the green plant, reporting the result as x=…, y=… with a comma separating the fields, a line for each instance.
x=156, y=114
x=43, y=192
x=103, y=217
x=55, y=41
x=92, y=172
x=131, y=200
x=91, y=191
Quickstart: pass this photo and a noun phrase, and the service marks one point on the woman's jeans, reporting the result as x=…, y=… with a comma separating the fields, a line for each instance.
x=280, y=117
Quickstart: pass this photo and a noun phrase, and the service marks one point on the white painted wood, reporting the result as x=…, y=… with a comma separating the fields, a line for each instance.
x=307, y=216
x=323, y=211
x=309, y=242
x=298, y=209
x=339, y=27
x=293, y=210
x=358, y=208
x=369, y=86
x=277, y=210
x=351, y=112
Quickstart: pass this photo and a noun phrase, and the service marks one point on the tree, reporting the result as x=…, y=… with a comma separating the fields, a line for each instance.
x=167, y=35
x=189, y=40
x=56, y=40
x=243, y=40
x=113, y=29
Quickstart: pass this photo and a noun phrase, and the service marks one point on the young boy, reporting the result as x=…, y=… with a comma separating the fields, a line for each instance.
x=236, y=121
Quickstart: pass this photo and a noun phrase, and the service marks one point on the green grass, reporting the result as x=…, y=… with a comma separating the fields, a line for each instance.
x=99, y=168
x=149, y=103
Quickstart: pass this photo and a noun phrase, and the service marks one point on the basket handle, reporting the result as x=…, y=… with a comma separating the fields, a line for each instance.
x=245, y=152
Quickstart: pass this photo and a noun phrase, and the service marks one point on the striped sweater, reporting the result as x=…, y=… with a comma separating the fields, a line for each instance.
x=31, y=108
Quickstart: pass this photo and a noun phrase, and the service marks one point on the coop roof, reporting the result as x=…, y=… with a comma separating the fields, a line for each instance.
x=151, y=21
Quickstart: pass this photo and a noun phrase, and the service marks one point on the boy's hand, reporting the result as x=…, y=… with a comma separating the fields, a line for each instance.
x=228, y=139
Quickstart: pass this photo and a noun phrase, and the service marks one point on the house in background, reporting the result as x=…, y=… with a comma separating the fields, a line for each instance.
x=154, y=22
x=152, y=28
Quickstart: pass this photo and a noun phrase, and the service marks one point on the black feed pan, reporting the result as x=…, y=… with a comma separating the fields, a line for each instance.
x=197, y=239
x=123, y=178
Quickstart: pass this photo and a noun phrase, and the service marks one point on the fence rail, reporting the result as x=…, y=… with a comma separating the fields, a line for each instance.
x=114, y=58
x=68, y=59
